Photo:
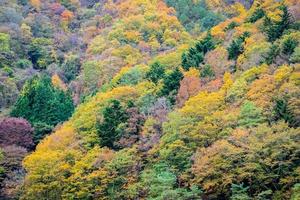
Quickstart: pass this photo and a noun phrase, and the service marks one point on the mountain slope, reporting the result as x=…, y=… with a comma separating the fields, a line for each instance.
x=167, y=116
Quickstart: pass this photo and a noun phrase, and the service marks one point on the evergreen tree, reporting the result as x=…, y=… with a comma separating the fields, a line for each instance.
x=281, y=111
x=156, y=72
x=195, y=55
x=207, y=72
x=237, y=46
x=113, y=115
x=160, y=183
x=41, y=103
x=275, y=29
x=239, y=192
x=172, y=82
x=273, y=52
x=250, y=115
x=265, y=195
x=258, y=14
x=289, y=46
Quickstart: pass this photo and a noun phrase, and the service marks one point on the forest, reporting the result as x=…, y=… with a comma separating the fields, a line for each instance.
x=149, y=99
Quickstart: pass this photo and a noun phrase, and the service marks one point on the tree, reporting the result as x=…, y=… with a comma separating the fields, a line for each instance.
x=41, y=102
x=156, y=72
x=2, y=171
x=250, y=115
x=71, y=67
x=237, y=46
x=195, y=55
x=207, y=72
x=171, y=84
x=289, y=46
x=16, y=131
x=189, y=86
x=296, y=192
x=262, y=156
x=273, y=52
x=14, y=173
x=275, y=29
x=4, y=42
x=160, y=183
x=193, y=14
x=282, y=111
x=40, y=53
x=129, y=130
x=257, y=14
x=113, y=115
x=239, y=192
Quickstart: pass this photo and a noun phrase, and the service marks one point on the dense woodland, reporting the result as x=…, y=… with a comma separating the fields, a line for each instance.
x=150, y=99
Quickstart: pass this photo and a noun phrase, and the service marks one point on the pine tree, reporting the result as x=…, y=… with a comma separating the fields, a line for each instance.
x=195, y=55
x=239, y=192
x=172, y=82
x=41, y=103
x=289, y=46
x=207, y=72
x=281, y=111
x=258, y=14
x=274, y=29
x=113, y=115
x=156, y=72
x=273, y=52
x=237, y=46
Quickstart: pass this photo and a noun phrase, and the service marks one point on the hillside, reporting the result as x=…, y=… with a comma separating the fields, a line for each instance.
x=150, y=99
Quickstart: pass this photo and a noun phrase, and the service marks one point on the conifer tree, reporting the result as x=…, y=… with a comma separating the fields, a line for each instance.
x=172, y=82
x=113, y=115
x=156, y=72
x=43, y=104
x=275, y=29
x=239, y=192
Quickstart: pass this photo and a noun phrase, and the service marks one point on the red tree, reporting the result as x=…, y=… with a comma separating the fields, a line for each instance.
x=16, y=131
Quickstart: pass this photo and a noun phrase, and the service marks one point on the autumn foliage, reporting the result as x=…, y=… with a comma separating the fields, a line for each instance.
x=144, y=99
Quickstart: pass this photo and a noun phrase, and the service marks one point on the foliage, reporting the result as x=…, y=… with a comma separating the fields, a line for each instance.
x=4, y=42
x=195, y=55
x=161, y=184
x=171, y=83
x=231, y=26
x=13, y=172
x=156, y=72
x=236, y=47
x=296, y=191
x=40, y=53
x=295, y=57
x=257, y=14
x=161, y=113
x=113, y=115
x=238, y=156
x=289, y=46
x=207, y=72
x=239, y=192
x=16, y=131
x=24, y=63
x=40, y=102
x=250, y=115
x=194, y=14
x=275, y=29
x=273, y=52
x=71, y=68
